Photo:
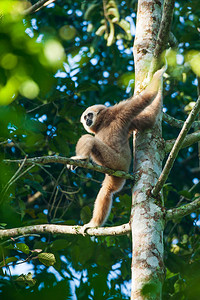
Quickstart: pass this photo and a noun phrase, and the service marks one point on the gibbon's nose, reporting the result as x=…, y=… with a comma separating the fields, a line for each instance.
x=88, y=122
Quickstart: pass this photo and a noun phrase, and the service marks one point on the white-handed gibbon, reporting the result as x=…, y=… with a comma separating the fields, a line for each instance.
x=109, y=146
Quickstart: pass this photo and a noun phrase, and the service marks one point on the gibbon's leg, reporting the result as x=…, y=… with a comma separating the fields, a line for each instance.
x=84, y=146
x=83, y=149
x=104, y=155
x=89, y=146
x=103, y=201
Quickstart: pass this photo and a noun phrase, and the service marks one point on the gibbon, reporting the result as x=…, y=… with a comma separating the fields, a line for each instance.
x=109, y=146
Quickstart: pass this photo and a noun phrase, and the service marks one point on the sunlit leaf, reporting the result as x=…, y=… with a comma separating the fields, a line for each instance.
x=22, y=247
x=47, y=259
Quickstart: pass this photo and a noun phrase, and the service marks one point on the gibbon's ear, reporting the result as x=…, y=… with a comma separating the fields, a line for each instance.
x=99, y=111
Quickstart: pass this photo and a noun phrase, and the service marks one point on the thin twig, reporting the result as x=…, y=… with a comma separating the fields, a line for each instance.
x=37, y=6
x=177, y=146
x=14, y=176
x=11, y=240
x=19, y=170
x=189, y=140
x=184, y=210
x=55, y=193
x=32, y=198
x=69, y=161
x=182, y=198
x=178, y=123
x=37, y=107
x=57, y=206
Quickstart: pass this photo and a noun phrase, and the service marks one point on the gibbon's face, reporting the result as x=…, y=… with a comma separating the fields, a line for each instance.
x=90, y=115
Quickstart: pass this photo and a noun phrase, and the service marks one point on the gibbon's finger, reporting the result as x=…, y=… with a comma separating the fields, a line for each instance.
x=77, y=157
x=83, y=231
x=71, y=167
x=68, y=167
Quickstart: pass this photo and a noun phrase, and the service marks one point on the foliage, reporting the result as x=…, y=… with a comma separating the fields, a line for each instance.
x=43, y=91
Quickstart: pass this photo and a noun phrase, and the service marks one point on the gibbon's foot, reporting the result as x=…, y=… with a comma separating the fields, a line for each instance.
x=71, y=167
x=85, y=227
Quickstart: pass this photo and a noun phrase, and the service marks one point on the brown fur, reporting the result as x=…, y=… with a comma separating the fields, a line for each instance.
x=110, y=147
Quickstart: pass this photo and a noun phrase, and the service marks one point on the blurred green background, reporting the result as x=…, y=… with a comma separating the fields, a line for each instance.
x=53, y=64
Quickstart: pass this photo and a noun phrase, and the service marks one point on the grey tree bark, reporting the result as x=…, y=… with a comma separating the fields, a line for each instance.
x=147, y=220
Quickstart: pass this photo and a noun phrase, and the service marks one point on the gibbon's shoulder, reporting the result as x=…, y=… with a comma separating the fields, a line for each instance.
x=105, y=117
x=117, y=108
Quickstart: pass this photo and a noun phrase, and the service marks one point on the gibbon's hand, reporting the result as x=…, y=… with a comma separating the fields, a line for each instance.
x=71, y=167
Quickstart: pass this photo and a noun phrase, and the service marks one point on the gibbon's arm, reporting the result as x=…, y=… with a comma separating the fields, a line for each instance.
x=147, y=118
x=128, y=109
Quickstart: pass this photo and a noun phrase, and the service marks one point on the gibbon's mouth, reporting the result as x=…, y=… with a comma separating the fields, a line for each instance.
x=88, y=122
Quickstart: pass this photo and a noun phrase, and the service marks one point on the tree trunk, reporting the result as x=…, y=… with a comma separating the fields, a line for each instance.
x=146, y=216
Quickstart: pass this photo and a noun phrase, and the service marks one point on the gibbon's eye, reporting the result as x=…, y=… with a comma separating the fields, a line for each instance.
x=85, y=117
x=90, y=115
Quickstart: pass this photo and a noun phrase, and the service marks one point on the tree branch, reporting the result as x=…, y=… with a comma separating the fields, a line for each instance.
x=189, y=140
x=173, y=41
x=198, y=93
x=182, y=211
x=163, y=34
x=178, y=123
x=195, y=170
x=37, y=6
x=164, y=31
x=65, y=230
x=78, y=163
x=177, y=146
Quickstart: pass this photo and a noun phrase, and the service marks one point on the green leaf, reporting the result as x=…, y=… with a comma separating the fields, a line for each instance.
x=35, y=185
x=85, y=214
x=151, y=289
x=22, y=207
x=22, y=247
x=26, y=280
x=59, y=145
x=59, y=245
x=186, y=194
x=125, y=270
x=10, y=247
x=3, y=225
x=169, y=274
x=7, y=261
x=47, y=259
x=85, y=87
